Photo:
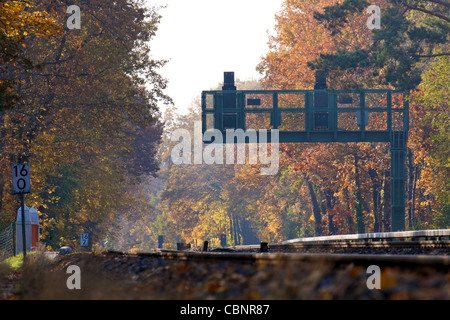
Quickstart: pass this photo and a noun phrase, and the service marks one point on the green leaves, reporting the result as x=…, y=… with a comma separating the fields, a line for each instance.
x=406, y=32
x=434, y=125
x=342, y=59
x=336, y=16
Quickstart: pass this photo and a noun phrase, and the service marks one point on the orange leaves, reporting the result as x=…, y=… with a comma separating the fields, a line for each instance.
x=17, y=22
x=300, y=38
x=81, y=117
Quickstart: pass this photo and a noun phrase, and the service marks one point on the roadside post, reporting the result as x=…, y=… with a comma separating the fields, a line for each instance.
x=21, y=185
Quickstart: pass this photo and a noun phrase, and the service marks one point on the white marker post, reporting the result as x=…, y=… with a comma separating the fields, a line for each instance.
x=22, y=185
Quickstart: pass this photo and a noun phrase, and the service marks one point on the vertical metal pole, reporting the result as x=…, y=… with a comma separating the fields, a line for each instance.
x=274, y=116
x=203, y=113
x=241, y=112
x=308, y=114
x=398, y=156
x=334, y=114
x=389, y=111
x=160, y=241
x=218, y=113
x=362, y=110
x=13, y=225
x=399, y=136
x=24, y=244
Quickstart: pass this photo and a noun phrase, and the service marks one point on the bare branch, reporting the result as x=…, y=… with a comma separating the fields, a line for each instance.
x=429, y=12
x=432, y=55
x=442, y=2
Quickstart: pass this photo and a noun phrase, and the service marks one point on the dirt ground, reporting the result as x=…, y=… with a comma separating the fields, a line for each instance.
x=114, y=276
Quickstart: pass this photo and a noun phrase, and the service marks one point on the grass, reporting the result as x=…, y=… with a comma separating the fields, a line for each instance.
x=19, y=276
x=15, y=263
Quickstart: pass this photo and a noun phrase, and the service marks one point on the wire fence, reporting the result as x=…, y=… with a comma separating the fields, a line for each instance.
x=7, y=242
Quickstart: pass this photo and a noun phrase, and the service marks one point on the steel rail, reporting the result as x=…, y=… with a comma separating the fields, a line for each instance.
x=413, y=235
x=378, y=259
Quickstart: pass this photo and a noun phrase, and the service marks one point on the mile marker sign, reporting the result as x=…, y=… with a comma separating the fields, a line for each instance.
x=84, y=239
x=21, y=178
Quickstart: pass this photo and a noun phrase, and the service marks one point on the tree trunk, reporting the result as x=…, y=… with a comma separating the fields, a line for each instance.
x=316, y=207
x=350, y=221
x=330, y=201
x=237, y=238
x=413, y=200
x=387, y=201
x=358, y=200
x=376, y=186
x=412, y=176
x=248, y=234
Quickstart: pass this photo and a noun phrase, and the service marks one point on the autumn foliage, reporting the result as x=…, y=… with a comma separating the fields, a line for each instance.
x=81, y=113
x=81, y=107
x=320, y=189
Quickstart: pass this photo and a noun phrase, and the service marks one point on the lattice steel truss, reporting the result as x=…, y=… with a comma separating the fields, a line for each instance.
x=319, y=115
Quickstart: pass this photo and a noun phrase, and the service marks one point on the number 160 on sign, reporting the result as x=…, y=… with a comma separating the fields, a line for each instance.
x=21, y=178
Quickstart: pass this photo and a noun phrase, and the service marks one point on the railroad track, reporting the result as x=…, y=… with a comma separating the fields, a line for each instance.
x=408, y=248
x=397, y=260
x=426, y=242
x=412, y=248
x=249, y=274
x=288, y=270
x=425, y=247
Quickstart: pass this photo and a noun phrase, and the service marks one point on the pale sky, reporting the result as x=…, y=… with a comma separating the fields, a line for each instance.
x=204, y=38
